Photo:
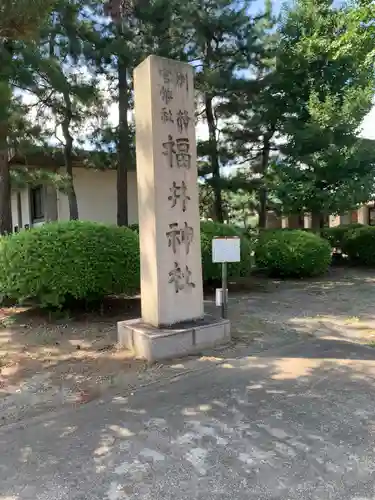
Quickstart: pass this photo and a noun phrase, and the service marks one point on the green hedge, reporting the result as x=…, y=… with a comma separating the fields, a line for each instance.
x=61, y=261
x=336, y=235
x=293, y=253
x=359, y=245
x=69, y=260
x=211, y=271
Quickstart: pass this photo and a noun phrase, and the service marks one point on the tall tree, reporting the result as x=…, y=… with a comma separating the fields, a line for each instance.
x=251, y=135
x=138, y=29
x=70, y=95
x=217, y=33
x=19, y=20
x=227, y=45
x=326, y=83
x=6, y=55
x=121, y=12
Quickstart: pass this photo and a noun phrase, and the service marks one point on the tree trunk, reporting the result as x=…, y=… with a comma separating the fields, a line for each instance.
x=124, y=150
x=214, y=157
x=317, y=221
x=262, y=222
x=68, y=156
x=5, y=190
x=263, y=194
x=296, y=221
x=6, y=225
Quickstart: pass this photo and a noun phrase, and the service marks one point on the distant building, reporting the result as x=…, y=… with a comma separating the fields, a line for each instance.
x=96, y=192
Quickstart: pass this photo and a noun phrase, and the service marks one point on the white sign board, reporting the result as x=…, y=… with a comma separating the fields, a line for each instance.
x=226, y=249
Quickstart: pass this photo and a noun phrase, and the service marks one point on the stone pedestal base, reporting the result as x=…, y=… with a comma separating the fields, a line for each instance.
x=154, y=344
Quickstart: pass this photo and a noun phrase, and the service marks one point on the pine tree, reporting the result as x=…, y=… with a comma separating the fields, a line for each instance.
x=136, y=30
x=251, y=135
x=217, y=33
x=20, y=20
x=69, y=94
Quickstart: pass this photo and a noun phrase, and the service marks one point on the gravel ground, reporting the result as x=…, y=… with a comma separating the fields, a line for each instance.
x=43, y=370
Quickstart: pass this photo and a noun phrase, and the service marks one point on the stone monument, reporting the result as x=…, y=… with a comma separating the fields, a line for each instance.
x=173, y=321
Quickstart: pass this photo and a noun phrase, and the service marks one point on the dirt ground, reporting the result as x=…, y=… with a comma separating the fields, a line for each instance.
x=69, y=359
x=72, y=345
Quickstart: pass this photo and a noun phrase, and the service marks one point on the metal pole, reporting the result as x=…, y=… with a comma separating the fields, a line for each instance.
x=224, y=286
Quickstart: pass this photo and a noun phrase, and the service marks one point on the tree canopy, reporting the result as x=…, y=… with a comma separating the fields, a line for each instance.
x=21, y=19
x=279, y=96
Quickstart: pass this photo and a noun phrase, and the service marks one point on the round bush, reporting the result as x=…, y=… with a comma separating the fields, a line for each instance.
x=292, y=253
x=69, y=260
x=359, y=245
x=336, y=235
x=211, y=271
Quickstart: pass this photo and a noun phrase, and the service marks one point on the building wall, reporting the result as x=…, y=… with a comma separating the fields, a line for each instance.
x=25, y=208
x=96, y=197
x=363, y=215
x=14, y=209
x=334, y=220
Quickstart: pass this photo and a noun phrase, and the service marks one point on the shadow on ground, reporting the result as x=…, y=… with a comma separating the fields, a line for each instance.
x=288, y=424
x=72, y=359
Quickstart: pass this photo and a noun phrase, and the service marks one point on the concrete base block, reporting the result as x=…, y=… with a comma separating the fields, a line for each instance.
x=153, y=344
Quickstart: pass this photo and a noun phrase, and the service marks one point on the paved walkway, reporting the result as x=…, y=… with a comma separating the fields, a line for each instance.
x=294, y=423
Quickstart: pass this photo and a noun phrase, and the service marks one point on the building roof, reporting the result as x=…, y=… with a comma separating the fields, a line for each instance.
x=41, y=158
x=54, y=159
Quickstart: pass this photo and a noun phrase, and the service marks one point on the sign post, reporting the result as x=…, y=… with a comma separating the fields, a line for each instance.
x=224, y=288
x=225, y=249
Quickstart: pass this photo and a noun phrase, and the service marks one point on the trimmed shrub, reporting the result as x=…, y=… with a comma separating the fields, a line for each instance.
x=211, y=271
x=359, y=245
x=134, y=227
x=336, y=235
x=292, y=253
x=61, y=261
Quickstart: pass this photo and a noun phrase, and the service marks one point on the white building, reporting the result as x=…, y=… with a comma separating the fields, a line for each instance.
x=96, y=193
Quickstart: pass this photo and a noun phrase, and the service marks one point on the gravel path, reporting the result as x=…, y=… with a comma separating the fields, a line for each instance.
x=273, y=315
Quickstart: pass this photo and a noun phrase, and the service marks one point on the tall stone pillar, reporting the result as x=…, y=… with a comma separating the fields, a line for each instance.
x=173, y=321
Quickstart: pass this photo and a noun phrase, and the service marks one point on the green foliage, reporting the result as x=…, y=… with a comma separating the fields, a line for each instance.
x=359, y=245
x=326, y=82
x=134, y=227
x=211, y=271
x=306, y=77
x=336, y=235
x=226, y=40
x=20, y=19
x=238, y=206
x=292, y=253
x=69, y=260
